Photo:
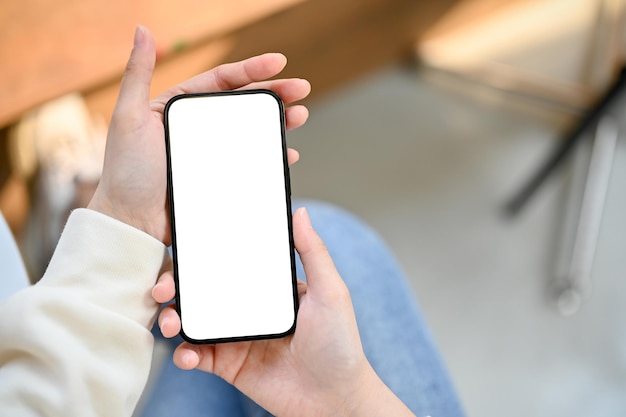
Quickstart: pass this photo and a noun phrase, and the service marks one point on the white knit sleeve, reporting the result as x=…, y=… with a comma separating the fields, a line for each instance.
x=77, y=343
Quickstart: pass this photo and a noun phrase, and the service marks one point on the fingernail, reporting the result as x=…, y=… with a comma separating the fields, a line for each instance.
x=154, y=289
x=304, y=215
x=139, y=35
x=164, y=322
x=189, y=358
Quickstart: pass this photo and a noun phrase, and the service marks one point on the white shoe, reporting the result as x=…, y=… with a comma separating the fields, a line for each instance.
x=55, y=145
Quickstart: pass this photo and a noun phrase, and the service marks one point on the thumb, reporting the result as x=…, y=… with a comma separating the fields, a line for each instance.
x=321, y=274
x=135, y=88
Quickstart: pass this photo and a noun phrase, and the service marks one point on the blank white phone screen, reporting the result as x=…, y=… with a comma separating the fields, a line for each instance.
x=230, y=207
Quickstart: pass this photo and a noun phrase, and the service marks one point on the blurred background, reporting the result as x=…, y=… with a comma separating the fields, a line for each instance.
x=481, y=138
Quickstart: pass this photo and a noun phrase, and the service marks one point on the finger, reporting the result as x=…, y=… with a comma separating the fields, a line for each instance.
x=295, y=116
x=237, y=74
x=289, y=89
x=187, y=356
x=301, y=288
x=292, y=156
x=169, y=322
x=230, y=76
x=135, y=87
x=322, y=276
x=164, y=290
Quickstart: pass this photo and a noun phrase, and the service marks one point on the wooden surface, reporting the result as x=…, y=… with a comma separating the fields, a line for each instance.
x=51, y=47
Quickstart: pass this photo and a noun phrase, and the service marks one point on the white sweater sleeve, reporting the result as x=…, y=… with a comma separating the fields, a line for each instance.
x=77, y=343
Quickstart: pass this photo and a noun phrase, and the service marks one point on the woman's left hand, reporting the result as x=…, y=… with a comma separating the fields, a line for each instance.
x=133, y=187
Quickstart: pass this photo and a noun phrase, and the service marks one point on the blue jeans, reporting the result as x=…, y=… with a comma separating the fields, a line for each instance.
x=395, y=338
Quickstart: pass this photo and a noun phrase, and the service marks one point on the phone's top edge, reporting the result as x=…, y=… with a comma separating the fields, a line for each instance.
x=224, y=93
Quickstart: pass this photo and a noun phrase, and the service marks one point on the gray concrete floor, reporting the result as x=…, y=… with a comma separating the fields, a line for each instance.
x=430, y=168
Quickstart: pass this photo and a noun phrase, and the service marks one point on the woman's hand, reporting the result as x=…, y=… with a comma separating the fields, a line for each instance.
x=320, y=370
x=133, y=184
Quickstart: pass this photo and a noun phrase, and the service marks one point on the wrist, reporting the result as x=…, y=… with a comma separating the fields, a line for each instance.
x=104, y=206
x=374, y=399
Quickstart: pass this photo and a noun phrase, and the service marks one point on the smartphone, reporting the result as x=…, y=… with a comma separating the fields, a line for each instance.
x=229, y=196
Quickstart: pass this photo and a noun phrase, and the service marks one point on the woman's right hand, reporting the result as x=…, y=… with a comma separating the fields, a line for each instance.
x=320, y=370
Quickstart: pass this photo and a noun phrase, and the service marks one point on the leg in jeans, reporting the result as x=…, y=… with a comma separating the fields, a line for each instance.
x=395, y=338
